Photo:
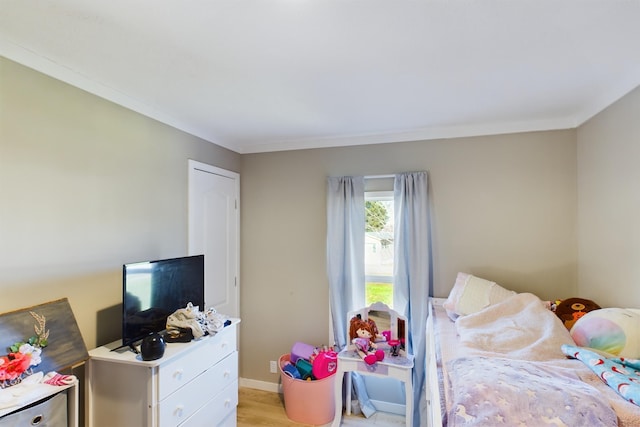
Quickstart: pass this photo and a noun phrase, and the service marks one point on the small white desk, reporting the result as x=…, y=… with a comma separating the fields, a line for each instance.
x=400, y=368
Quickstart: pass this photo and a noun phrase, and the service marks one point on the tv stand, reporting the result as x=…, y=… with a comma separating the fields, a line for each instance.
x=131, y=347
x=193, y=384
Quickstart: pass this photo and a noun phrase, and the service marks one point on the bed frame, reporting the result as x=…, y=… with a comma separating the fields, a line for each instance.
x=434, y=402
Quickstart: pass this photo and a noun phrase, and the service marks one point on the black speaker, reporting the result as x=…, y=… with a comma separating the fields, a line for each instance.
x=152, y=347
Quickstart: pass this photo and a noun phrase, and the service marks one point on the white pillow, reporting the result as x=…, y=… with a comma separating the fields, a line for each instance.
x=471, y=294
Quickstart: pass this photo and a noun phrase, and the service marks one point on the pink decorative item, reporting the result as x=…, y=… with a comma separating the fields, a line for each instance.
x=54, y=378
x=394, y=344
x=324, y=364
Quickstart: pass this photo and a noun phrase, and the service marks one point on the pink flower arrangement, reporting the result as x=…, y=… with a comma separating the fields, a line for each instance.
x=14, y=365
x=23, y=355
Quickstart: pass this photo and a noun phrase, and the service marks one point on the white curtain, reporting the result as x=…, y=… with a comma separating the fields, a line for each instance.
x=413, y=280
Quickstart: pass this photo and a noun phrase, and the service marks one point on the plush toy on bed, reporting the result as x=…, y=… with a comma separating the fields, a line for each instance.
x=571, y=309
x=362, y=334
x=612, y=331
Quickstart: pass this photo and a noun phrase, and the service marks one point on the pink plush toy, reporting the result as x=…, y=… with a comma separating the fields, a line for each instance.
x=362, y=335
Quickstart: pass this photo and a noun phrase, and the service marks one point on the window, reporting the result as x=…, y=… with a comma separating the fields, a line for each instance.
x=378, y=247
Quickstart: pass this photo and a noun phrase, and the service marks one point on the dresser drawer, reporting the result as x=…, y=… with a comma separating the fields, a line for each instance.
x=219, y=411
x=180, y=405
x=223, y=343
x=180, y=371
x=183, y=369
x=50, y=413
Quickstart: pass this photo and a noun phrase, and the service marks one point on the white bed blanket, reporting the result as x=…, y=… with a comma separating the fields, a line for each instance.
x=520, y=327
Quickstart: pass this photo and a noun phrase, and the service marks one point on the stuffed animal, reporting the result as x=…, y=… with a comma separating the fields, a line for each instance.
x=613, y=331
x=571, y=309
x=362, y=334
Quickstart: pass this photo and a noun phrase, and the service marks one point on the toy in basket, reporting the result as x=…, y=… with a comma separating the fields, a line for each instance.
x=324, y=363
x=312, y=363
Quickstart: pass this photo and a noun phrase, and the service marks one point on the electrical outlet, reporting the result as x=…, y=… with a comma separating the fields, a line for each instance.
x=273, y=367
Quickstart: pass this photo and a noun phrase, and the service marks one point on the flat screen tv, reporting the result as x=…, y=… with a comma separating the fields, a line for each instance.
x=153, y=290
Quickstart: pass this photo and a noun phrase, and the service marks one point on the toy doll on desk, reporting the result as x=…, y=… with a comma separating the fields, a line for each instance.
x=362, y=335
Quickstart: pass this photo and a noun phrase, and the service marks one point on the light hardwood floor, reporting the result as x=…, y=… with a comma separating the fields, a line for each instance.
x=258, y=408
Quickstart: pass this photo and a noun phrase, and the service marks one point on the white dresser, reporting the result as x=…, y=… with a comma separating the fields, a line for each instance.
x=193, y=385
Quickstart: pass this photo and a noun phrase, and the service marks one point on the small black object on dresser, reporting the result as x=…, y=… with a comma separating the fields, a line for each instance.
x=152, y=347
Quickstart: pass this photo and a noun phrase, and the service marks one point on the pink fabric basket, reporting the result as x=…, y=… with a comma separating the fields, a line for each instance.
x=307, y=402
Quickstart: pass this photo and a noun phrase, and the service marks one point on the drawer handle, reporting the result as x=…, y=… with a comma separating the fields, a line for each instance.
x=226, y=374
x=179, y=410
x=37, y=420
x=178, y=374
x=227, y=403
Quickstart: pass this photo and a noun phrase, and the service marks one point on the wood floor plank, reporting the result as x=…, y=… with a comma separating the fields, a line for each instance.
x=259, y=408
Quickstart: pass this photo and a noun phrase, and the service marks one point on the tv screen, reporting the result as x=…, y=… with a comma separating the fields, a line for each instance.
x=153, y=290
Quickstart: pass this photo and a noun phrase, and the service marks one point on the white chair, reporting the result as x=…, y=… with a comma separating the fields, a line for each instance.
x=393, y=327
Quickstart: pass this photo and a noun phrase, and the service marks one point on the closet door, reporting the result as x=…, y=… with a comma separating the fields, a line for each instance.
x=214, y=230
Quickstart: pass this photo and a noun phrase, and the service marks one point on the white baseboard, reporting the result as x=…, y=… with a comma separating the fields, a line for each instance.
x=260, y=385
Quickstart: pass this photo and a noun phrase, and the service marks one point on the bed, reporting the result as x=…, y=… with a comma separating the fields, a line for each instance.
x=504, y=365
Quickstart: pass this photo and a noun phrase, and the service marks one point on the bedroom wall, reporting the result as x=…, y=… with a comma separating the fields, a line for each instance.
x=504, y=208
x=609, y=205
x=85, y=186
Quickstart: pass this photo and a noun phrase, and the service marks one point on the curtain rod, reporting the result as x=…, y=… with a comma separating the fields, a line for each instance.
x=379, y=176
